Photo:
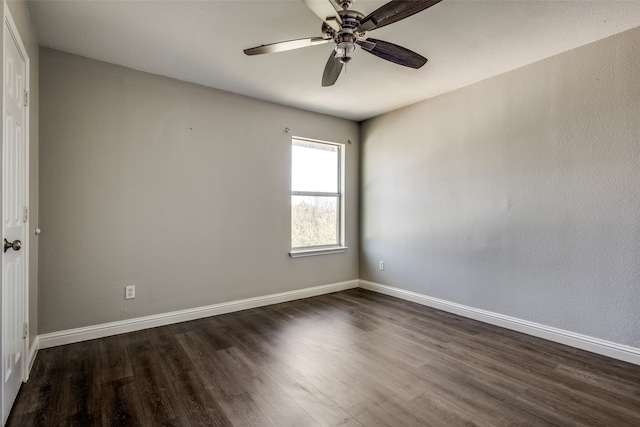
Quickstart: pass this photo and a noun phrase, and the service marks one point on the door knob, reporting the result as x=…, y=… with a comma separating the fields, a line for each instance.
x=16, y=245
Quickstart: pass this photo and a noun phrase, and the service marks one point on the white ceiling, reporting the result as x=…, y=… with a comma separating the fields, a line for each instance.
x=202, y=42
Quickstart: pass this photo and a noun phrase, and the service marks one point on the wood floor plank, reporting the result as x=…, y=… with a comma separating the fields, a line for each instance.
x=352, y=358
x=121, y=404
x=323, y=410
x=273, y=402
x=154, y=383
x=233, y=399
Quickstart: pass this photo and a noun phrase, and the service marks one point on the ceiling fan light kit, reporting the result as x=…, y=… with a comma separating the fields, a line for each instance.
x=347, y=28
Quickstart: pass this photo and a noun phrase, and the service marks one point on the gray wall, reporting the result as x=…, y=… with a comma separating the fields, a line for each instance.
x=21, y=17
x=180, y=190
x=519, y=195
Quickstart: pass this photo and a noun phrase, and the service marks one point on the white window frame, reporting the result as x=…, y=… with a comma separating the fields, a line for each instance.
x=340, y=247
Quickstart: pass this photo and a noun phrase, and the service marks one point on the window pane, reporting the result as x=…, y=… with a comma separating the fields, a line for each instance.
x=314, y=167
x=314, y=221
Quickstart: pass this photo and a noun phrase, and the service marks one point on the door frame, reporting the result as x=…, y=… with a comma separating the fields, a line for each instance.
x=10, y=25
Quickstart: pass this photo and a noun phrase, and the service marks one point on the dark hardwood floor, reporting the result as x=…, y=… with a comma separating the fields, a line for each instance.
x=353, y=358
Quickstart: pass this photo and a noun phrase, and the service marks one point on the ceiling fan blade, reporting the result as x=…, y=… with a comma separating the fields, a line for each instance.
x=331, y=70
x=394, y=53
x=326, y=11
x=366, y=44
x=392, y=12
x=287, y=45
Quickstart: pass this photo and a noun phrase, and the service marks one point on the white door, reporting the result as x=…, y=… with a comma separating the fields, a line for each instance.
x=14, y=216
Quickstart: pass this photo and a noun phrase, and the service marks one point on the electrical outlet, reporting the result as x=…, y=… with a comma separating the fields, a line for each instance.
x=129, y=292
x=381, y=265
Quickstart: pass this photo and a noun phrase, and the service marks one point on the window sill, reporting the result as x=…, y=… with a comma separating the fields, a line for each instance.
x=313, y=252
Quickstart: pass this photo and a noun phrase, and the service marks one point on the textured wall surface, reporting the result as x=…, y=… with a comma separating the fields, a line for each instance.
x=180, y=190
x=519, y=195
x=21, y=17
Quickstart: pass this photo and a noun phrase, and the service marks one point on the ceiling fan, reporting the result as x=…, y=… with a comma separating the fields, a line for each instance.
x=347, y=28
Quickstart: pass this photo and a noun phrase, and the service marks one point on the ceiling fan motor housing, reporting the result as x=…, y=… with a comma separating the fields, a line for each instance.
x=346, y=38
x=350, y=19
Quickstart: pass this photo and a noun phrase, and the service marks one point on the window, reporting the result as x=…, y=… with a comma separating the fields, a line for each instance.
x=317, y=225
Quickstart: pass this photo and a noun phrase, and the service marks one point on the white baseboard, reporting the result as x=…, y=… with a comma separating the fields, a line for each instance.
x=33, y=352
x=123, y=326
x=583, y=342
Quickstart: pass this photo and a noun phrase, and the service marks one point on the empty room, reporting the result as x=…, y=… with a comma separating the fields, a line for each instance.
x=321, y=213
